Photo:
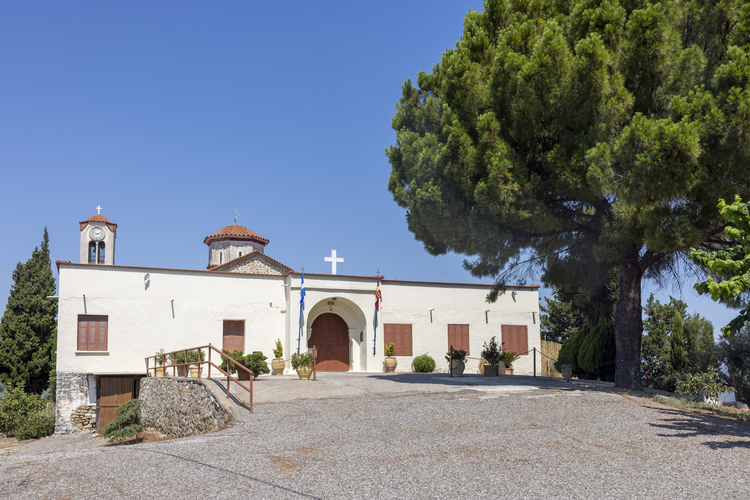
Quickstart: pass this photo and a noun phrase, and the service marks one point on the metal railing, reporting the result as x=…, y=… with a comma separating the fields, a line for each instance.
x=184, y=366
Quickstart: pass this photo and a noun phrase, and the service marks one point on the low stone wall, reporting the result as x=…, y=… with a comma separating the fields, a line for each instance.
x=84, y=418
x=181, y=407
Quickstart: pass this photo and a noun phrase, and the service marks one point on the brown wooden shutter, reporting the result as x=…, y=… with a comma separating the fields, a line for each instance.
x=458, y=337
x=93, y=333
x=516, y=338
x=400, y=336
x=234, y=336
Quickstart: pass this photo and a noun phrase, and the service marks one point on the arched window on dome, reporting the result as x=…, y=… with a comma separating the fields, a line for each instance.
x=240, y=255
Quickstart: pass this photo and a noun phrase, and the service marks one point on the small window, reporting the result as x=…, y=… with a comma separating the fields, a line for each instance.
x=240, y=254
x=400, y=336
x=221, y=257
x=458, y=337
x=92, y=333
x=516, y=339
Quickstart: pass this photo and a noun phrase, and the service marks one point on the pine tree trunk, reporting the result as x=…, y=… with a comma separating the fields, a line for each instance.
x=629, y=323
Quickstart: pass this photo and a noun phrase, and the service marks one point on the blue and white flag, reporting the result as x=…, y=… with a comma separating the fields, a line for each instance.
x=302, y=293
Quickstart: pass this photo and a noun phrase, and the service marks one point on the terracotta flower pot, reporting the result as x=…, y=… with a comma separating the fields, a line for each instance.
x=196, y=371
x=390, y=364
x=182, y=371
x=506, y=371
x=159, y=371
x=243, y=375
x=278, y=365
x=304, y=372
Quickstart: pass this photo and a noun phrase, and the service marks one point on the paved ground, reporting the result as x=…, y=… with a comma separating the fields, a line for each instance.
x=408, y=436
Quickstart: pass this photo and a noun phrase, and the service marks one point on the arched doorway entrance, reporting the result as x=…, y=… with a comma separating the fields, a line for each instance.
x=330, y=335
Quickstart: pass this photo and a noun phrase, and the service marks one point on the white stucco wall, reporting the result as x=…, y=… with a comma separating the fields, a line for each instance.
x=170, y=310
x=176, y=309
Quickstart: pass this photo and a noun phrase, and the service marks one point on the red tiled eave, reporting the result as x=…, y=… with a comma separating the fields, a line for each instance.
x=98, y=218
x=235, y=231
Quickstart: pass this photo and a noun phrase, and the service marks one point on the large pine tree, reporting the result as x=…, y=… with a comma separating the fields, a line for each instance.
x=28, y=333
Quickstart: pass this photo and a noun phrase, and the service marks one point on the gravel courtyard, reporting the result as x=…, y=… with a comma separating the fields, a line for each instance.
x=408, y=436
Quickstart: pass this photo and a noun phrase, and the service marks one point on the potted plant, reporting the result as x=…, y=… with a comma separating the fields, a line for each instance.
x=232, y=368
x=278, y=363
x=458, y=362
x=256, y=363
x=194, y=356
x=390, y=361
x=566, y=366
x=160, y=358
x=303, y=363
x=491, y=354
x=508, y=357
x=178, y=359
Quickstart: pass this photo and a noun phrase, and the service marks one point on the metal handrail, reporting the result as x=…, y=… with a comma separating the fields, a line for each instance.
x=187, y=364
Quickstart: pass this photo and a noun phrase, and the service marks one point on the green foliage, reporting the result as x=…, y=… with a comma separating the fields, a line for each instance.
x=303, y=359
x=278, y=352
x=508, y=358
x=734, y=353
x=558, y=320
x=423, y=364
x=688, y=405
x=127, y=424
x=597, y=352
x=491, y=352
x=38, y=425
x=569, y=352
x=235, y=355
x=699, y=336
x=456, y=354
x=18, y=408
x=708, y=384
x=193, y=356
x=578, y=137
x=678, y=357
x=256, y=363
x=390, y=349
x=729, y=267
x=160, y=357
x=28, y=329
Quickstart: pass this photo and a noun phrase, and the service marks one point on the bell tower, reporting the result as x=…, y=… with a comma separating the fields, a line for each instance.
x=98, y=240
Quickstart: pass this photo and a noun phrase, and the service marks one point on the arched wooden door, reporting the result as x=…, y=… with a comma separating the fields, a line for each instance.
x=331, y=336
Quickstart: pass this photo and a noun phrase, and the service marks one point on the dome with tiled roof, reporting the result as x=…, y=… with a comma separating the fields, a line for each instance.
x=98, y=218
x=232, y=242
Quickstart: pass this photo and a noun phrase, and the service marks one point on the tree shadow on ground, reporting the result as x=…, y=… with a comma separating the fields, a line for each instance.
x=684, y=424
x=474, y=379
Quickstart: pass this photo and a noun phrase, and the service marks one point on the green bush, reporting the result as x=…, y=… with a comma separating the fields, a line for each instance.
x=303, y=359
x=256, y=362
x=127, y=423
x=38, y=425
x=597, y=352
x=16, y=407
x=423, y=364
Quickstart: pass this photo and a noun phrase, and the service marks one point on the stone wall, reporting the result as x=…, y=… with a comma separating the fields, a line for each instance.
x=84, y=418
x=181, y=407
x=72, y=393
x=256, y=266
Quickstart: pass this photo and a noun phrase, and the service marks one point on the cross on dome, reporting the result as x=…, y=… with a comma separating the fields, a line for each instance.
x=333, y=260
x=235, y=215
x=98, y=209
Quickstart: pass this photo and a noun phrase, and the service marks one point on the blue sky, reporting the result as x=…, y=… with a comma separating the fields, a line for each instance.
x=172, y=115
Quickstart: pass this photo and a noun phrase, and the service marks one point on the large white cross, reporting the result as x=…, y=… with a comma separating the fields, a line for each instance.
x=333, y=260
x=98, y=209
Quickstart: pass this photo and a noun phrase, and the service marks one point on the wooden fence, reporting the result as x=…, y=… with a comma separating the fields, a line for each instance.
x=550, y=351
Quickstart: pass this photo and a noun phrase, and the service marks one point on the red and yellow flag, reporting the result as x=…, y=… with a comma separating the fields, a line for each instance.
x=378, y=296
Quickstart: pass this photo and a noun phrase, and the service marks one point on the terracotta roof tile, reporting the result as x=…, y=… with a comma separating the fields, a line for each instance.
x=236, y=231
x=248, y=256
x=98, y=218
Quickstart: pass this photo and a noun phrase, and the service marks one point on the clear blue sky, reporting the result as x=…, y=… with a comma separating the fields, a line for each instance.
x=171, y=115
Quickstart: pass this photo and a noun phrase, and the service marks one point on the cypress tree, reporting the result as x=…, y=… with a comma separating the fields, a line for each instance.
x=677, y=342
x=28, y=329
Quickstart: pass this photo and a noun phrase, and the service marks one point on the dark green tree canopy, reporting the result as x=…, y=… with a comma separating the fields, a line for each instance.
x=587, y=134
x=28, y=328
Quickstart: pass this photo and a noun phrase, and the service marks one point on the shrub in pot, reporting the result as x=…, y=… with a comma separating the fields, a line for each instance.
x=390, y=362
x=491, y=353
x=160, y=359
x=457, y=360
x=303, y=363
x=278, y=363
x=508, y=357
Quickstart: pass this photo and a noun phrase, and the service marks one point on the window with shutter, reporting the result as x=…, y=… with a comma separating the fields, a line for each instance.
x=234, y=336
x=400, y=336
x=458, y=337
x=92, y=333
x=516, y=339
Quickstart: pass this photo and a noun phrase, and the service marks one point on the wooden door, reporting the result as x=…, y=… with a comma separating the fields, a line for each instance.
x=112, y=393
x=234, y=336
x=331, y=336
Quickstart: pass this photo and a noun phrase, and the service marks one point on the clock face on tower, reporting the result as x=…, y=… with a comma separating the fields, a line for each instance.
x=97, y=233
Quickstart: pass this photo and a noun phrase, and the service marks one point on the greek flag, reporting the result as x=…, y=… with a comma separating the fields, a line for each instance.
x=302, y=293
x=301, y=312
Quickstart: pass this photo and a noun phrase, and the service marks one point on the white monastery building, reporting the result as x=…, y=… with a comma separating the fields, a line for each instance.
x=111, y=317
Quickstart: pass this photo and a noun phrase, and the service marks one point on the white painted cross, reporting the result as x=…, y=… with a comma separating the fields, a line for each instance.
x=333, y=260
x=98, y=209
x=235, y=215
